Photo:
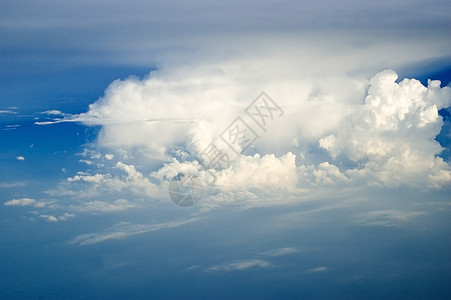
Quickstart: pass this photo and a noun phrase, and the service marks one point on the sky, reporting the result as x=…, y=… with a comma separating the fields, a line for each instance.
x=244, y=150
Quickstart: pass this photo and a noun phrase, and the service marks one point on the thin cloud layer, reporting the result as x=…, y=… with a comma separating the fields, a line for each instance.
x=241, y=265
x=123, y=230
x=386, y=218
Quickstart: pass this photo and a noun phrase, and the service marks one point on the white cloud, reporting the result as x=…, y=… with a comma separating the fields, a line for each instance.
x=21, y=158
x=97, y=178
x=54, y=112
x=11, y=127
x=11, y=184
x=322, y=175
x=123, y=230
x=249, y=181
x=66, y=216
x=266, y=172
x=394, y=132
x=241, y=265
x=127, y=179
x=24, y=202
x=102, y=206
x=340, y=127
x=389, y=140
x=309, y=80
x=49, y=218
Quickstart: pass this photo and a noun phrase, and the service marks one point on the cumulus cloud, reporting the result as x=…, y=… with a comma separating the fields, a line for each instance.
x=388, y=140
x=24, y=202
x=249, y=181
x=325, y=137
x=343, y=123
x=20, y=158
x=127, y=179
x=265, y=172
x=54, y=112
x=393, y=134
x=49, y=218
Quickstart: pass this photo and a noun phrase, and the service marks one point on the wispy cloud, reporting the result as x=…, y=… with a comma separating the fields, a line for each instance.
x=386, y=218
x=49, y=218
x=280, y=252
x=316, y=270
x=241, y=265
x=123, y=230
x=103, y=206
x=7, y=112
x=11, y=127
x=11, y=185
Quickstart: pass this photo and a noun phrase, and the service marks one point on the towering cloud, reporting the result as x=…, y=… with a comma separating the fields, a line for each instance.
x=386, y=139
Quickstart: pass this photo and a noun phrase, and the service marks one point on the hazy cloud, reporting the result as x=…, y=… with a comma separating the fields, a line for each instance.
x=241, y=265
x=386, y=218
x=281, y=252
x=316, y=270
x=123, y=230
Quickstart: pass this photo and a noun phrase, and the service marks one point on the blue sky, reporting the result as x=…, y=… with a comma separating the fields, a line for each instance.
x=344, y=191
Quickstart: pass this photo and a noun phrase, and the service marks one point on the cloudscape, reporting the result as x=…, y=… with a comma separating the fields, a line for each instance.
x=248, y=150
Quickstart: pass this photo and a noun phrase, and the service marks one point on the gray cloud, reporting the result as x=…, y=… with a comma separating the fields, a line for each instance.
x=386, y=218
x=91, y=30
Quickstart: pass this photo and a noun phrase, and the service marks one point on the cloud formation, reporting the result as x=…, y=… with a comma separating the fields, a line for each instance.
x=241, y=265
x=386, y=218
x=24, y=202
x=123, y=230
x=345, y=123
x=341, y=131
x=391, y=137
x=316, y=270
x=281, y=252
x=393, y=134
